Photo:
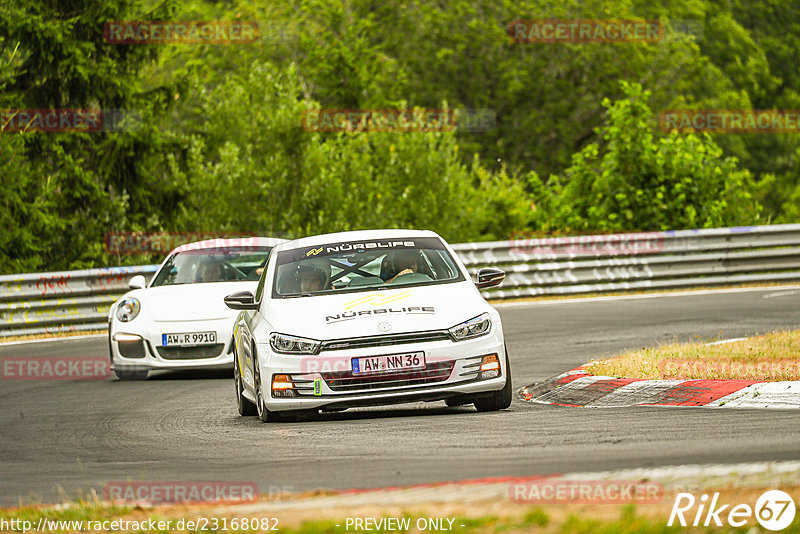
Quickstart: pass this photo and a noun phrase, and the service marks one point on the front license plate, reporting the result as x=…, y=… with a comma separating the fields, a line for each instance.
x=189, y=338
x=389, y=364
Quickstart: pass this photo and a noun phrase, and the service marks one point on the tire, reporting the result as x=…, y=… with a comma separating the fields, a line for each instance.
x=498, y=400
x=131, y=375
x=243, y=405
x=264, y=414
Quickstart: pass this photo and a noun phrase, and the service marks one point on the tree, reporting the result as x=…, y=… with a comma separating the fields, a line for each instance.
x=635, y=179
x=253, y=166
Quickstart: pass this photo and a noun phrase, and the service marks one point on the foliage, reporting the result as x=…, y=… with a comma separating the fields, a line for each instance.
x=219, y=144
x=638, y=181
x=251, y=165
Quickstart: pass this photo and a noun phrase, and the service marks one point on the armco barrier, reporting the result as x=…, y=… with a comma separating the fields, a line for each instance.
x=79, y=300
x=41, y=303
x=651, y=260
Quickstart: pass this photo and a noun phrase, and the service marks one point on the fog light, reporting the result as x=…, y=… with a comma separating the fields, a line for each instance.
x=490, y=366
x=282, y=386
x=126, y=337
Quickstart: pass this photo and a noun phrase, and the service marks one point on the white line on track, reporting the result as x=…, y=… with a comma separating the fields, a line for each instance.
x=644, y=296
x=781, y=294
x=695, y=477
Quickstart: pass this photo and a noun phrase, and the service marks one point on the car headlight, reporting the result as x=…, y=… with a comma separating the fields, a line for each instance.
x=128, y=309
x=293, y=345
x=475, y=327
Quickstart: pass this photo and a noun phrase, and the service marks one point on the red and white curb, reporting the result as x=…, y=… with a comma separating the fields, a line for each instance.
x=578, y=389
x=764, y=395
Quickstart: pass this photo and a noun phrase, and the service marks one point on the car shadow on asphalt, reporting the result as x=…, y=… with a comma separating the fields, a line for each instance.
x=385, y=412
x=190, y=374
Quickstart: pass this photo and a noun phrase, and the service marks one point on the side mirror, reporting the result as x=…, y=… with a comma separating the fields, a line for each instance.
x=137, y=282
x=490, y=277
x=244, y=300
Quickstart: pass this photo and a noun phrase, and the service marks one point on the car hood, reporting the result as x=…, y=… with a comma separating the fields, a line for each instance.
x=191, y=302
x=370, y=313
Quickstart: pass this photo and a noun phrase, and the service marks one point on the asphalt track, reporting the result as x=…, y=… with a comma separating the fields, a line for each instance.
x=65, y=438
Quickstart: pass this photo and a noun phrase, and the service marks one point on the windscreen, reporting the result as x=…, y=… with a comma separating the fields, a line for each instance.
x=213, y=265
x=363, y=265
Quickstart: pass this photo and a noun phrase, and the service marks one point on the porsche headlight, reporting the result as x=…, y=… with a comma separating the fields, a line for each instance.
x=475, y=327
x=293, y=345
x=128, y=309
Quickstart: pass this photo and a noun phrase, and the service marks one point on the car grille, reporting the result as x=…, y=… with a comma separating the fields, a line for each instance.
x=385, y=340
x=191, y=353
x=345, y=381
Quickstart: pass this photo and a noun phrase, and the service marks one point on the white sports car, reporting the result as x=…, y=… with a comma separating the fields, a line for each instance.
x=367, y=318
x=179, y=320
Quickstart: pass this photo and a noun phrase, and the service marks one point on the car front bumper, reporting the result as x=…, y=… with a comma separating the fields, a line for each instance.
x=326, y=381
x=149, y=353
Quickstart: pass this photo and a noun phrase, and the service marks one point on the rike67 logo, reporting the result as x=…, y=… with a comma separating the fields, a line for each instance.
x=774, y=510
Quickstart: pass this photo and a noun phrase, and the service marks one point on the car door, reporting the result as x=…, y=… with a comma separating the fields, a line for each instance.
x=247, y=323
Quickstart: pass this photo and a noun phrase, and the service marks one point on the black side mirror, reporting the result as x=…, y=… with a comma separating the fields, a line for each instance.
x=244, y=300
x=490, y=277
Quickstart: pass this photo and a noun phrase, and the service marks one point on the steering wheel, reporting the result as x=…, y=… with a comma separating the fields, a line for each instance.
x=412, y=277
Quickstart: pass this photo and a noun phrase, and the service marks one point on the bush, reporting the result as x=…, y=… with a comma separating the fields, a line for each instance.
x=638, y=179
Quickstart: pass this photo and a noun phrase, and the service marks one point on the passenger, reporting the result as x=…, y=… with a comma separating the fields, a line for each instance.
x=405, y=262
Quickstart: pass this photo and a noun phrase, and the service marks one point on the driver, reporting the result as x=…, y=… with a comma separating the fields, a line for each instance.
x=311, y=280
x=314, y=276
x=209, y=271
x=405, y=262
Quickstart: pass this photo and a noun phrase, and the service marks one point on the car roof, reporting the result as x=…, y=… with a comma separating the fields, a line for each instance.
x=230, y=243
x=355, y=236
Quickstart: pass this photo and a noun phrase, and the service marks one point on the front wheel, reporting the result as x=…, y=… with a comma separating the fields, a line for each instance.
x=243, y=405
x=264, y=414
x=500, y=399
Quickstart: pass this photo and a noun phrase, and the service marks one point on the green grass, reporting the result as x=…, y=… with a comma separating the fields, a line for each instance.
x=770, y=357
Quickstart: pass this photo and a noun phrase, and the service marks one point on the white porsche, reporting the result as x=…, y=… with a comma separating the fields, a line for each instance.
x=179, y=320
x=367, y=318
